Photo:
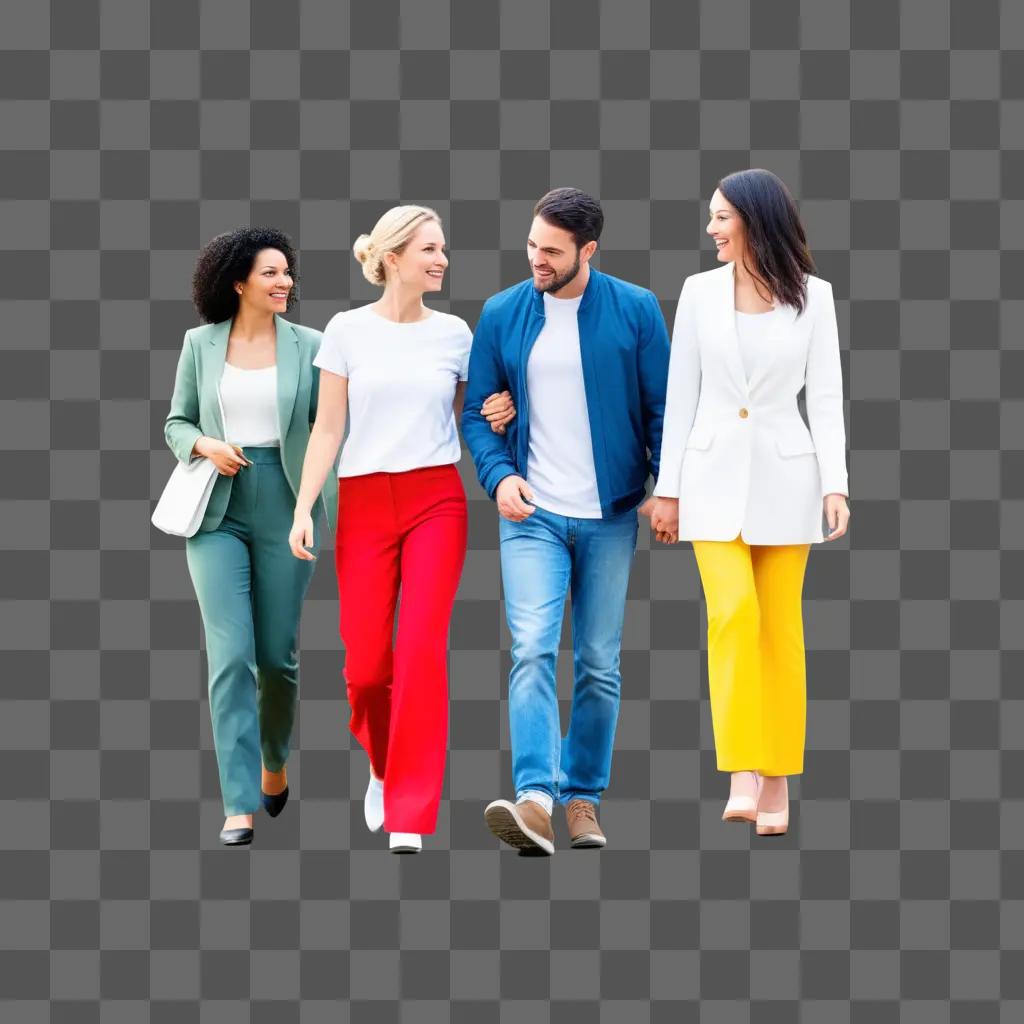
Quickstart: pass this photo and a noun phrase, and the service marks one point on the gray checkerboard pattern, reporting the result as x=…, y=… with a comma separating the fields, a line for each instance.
x=130, y=132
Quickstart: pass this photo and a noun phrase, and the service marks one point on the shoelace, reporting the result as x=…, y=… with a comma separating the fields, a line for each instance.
x=582, y=809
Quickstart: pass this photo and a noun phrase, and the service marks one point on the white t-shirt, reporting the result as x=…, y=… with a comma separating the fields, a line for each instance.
x=560, y=467
x=401, y=388
x=249, y=400
x=753, y=330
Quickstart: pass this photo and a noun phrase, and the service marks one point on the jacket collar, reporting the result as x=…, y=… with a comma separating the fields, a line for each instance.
x=725, y=299
x=593, y=284
x=287, y=355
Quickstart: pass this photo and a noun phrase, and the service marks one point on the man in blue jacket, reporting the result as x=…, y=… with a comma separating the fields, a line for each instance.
x=585, y=358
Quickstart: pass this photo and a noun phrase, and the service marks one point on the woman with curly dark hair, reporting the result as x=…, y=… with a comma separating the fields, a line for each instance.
x=245, y=395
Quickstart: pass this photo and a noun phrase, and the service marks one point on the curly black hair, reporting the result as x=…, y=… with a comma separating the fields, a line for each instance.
x=229, y=258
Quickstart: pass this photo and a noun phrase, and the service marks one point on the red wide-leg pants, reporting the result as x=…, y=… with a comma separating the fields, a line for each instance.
x=400, y=531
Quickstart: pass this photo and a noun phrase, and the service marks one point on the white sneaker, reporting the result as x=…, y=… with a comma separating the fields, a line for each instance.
x=373, y=804
x=406, y=842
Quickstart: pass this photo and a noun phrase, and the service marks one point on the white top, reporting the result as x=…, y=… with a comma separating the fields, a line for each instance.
x=401, y=388
x=249, y=398
x=753, y=330
x=560, y=466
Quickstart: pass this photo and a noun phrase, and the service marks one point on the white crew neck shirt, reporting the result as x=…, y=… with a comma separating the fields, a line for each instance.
x=401, y=388
x=249, y=401
x=560, y=465
x=753, y=330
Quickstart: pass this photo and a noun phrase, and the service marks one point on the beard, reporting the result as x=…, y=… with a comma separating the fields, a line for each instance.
x=559, y=281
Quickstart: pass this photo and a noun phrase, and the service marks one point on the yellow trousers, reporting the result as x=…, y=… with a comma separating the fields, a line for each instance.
x=756, y=663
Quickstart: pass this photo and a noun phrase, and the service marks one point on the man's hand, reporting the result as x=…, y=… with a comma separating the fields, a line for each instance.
x=510, y=494
x=499, y=410
x=664, y=515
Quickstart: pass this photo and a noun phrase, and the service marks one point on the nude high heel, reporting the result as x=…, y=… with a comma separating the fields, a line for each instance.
x=774, y=823
x=743, y=808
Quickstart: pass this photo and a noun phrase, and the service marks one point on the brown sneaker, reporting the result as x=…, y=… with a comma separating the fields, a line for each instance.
x=584, y=831
x=526, y=826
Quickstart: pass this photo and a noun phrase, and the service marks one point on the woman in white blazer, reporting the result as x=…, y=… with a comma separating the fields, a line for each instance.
x=746, y=482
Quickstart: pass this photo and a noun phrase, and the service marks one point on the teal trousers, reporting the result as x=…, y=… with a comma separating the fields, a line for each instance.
x=250, y=589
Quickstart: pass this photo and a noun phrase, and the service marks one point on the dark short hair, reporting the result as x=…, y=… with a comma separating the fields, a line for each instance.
x=775, y=233
x=229, y=258
x=575, y=211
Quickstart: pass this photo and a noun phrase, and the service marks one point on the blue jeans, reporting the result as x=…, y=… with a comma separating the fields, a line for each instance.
x=542, y=559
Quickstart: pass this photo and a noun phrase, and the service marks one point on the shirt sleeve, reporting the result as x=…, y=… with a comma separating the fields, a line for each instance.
x=682, y=394
x=490, y=451
x=333, y=354
x=181, y=429
x=652, y=372
x=465, y=344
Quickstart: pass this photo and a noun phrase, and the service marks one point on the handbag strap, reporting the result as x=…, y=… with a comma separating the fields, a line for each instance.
x=223, y=418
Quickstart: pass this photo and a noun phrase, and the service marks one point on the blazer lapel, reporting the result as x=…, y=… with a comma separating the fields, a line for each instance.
x=215, y=359
x=287, y=372
x=730, y=336
x=287, y=354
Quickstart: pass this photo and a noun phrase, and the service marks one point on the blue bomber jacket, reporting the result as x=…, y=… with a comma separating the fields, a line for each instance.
x=624, y=348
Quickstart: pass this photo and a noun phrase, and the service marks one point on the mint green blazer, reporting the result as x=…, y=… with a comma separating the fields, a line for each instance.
x=195, y=409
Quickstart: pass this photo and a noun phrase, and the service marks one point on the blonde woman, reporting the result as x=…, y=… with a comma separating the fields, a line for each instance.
x=399, y=369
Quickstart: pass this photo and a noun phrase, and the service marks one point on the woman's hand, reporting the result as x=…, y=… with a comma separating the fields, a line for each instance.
x=300, y=539
x=837, y=515
x=664, y=513
x=499, y=410
x=226, y=457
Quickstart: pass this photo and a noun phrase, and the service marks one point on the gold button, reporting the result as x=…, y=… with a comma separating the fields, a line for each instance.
x=744, y=414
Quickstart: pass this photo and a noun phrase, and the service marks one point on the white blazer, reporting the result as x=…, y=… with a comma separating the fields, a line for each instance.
x=738, y=455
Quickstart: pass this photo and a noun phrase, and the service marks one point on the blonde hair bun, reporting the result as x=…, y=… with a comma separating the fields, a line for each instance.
x=392, y=233
x=361, y=248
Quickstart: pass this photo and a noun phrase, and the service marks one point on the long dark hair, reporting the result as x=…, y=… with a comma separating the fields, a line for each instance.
x=775, y=235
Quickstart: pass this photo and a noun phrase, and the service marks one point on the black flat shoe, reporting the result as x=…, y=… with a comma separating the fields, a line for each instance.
x=274, y=805
x=236, y=836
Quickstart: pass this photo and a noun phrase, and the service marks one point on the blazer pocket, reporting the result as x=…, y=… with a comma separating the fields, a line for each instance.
x=795, y=444
x=700, y=437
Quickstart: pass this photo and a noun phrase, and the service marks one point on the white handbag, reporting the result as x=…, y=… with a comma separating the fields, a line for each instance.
x=182, y=505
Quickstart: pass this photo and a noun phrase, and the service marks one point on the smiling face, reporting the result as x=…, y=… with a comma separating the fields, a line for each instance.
x=269, y=283
x=554, y=258
x=422, y=263
x=727, y=229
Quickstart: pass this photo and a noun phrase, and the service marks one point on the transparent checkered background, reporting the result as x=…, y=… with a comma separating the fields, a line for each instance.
x=132, y=132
